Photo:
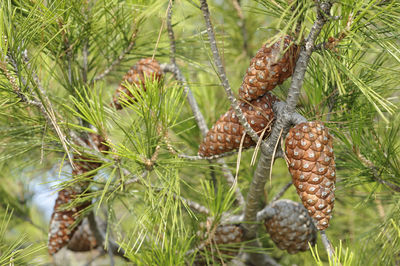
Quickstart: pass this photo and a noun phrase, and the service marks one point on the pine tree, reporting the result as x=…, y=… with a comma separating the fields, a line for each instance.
x=170, y=131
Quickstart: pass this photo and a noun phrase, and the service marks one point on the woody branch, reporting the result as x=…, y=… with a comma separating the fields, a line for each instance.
x=174, y=68
x=284, y=116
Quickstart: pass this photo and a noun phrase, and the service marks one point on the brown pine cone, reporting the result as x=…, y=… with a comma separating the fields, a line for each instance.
x=60, y=230
x=83, y=239
x=223, y=240
x=227, y=132
x=291, y=228
x=312, y=166
x=136, y=75
x=269, y=68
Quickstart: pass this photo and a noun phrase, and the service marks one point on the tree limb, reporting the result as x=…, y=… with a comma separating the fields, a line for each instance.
x=284, y=119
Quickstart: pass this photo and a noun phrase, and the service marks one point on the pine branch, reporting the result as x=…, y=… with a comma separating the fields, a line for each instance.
x=327, y=244
x=47, y=109
x=284, y=119
x=119, y=59
x=49, y=118
x=213, y=157
x=242, y=25
x=282, y=191
x=222, y=75
x=174, y=68
x=375, y=173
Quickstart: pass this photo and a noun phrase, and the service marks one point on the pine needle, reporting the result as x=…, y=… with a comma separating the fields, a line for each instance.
x=273, y=157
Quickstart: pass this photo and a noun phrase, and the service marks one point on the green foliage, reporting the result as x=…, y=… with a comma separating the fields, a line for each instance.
x=15, y=251
x=338, y=258
x=66, y=58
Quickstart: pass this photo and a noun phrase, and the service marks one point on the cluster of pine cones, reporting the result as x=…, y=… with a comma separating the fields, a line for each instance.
x=308, y=149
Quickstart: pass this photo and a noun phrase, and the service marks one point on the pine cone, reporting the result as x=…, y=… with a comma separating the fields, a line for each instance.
x=136, y=75
x=227, y=132
x=60, y=230
x=312, y=166
x=269, y=68
x=83, y=239
x=225, y=238
x=291, y=228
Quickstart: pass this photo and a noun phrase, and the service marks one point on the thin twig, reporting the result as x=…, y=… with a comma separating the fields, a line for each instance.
x=162, y=27
x=213, y=157
x=46, y=109
x=375, y=173
x=194, y=205
x=119, y=59
x=327, y=244
x=282, y=191
x=222, y=75
x=198, y=116
x=171, y=34
x=242, y=25
x=231, y=181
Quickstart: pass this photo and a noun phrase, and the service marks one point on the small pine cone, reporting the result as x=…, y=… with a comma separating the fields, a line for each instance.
x=136, y=75
x=225, y=237
x=227, y=132
x=312, y=166
x=60, y=230
x=291, y=228
x=269, y=68
x=83, y=239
